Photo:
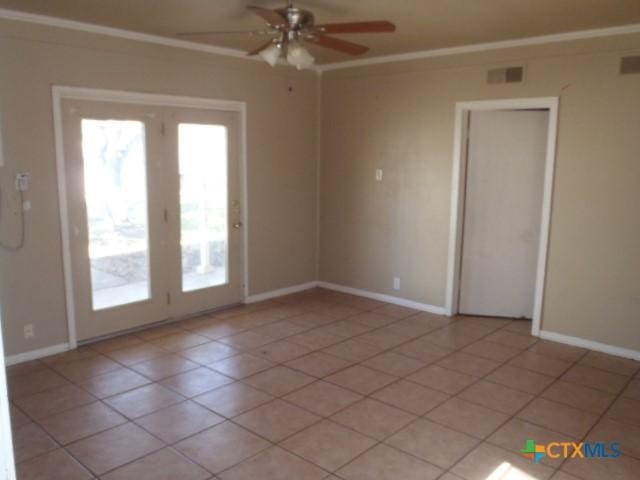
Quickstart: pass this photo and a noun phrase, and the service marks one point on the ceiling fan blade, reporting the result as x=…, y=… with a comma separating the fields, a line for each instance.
x=338, y=44
x=272, y=17
x=377, y=26
x=224, y=32
x=260, y=48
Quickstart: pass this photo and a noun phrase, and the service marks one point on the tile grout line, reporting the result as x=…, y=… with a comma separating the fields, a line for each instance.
x=504, y=362
x=64, y=447
x=423, y=417
x=419, y=417
x=433, y=408
x=382, y=442
x=312, y=328
x=327, y=418
x=271, y=444
x=485, y=439
x=360, y=363
x=604, y=414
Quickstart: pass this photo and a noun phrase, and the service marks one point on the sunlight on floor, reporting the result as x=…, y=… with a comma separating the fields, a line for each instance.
x=506, y=471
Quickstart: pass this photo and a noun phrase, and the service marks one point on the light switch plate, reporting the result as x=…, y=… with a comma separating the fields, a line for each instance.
x=378, y=174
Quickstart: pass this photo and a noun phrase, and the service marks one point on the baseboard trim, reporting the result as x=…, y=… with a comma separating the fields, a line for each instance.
x=403, y=302
x=63, y=347
x=36, y=354
x=259, y=297
x=544, y=334
x=591, y=345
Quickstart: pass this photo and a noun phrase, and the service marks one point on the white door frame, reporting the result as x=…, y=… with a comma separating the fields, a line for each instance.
x=59, y=93
x=458, y=187
x=7, y=460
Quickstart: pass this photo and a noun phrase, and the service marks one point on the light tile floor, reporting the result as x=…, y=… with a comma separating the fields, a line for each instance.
x=323, y=385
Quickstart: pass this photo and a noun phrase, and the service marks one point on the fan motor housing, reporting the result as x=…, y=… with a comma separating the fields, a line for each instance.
x=297, y=18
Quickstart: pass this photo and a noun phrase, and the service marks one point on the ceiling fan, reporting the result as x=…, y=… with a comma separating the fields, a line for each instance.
x=289, y=27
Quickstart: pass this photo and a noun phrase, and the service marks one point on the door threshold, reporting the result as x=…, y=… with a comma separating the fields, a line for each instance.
x=161, y=323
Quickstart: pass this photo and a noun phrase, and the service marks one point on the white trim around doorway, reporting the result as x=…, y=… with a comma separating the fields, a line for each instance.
x=463, y=110
x=60, y=93
x=7, y=458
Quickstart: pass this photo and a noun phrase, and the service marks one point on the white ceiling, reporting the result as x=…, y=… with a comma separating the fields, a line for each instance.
x=421, y=24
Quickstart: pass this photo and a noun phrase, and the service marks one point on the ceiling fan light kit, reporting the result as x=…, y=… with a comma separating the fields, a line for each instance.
x=299, y=57
x=271, y=54
x=290, y=27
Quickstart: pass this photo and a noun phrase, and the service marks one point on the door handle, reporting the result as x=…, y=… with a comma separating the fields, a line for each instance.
x=237, y=225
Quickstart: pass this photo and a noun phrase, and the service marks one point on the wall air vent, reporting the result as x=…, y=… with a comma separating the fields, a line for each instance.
x=630, y=65
x=505, y=75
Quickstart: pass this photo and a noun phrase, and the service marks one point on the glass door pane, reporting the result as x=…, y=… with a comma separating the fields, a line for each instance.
x=202, y=152
x=115, y=192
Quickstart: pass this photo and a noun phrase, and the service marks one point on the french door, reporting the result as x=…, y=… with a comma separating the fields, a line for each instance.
x=154, y=212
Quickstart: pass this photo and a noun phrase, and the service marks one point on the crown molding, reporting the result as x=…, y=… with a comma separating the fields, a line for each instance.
x=8, y=14
x=480, y=47
x=47, y=20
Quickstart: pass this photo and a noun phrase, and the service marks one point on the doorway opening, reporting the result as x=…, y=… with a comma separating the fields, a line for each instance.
x=499, y=239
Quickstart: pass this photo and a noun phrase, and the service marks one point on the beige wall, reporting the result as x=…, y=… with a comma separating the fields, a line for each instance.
x=399, y=117
x=282, y=175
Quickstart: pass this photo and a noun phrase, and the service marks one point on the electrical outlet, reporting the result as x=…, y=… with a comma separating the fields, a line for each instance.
x=378, y=174
x=28, y=331
x=396, y=283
